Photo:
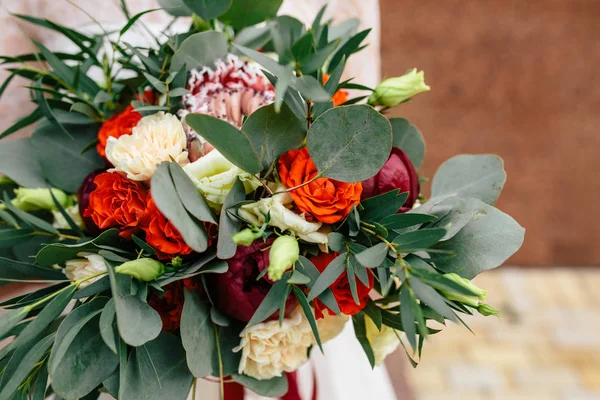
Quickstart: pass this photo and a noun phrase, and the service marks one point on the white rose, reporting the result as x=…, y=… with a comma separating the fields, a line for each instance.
x=284, y=218
x=156, y=138
x=269, y=349
x=214, y=176
x=384, y=342
x=331, y=325
x=90, y=265
x=60, y=222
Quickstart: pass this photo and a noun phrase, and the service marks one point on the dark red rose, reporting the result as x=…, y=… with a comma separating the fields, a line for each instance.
x=398, y=172
x=83, y=194
x=237, y=292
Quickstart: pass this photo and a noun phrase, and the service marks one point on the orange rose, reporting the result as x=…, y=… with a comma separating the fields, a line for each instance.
x=326, y=199
x=341, y=289
x=117, y=202
x=340, y=97
x=117, y=126
x=162, y=235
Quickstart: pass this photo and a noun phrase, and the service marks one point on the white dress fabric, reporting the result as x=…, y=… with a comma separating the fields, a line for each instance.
x=345, y=372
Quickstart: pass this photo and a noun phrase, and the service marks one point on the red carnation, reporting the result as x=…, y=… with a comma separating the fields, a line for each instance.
x=116, y=202
x=162, y=235
x=341, y=289
x=117, y=126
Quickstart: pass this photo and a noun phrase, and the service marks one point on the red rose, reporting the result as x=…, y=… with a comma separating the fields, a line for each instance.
x=117, y=126
x=398, y=172
x=341, y=289
x=117, y=202
x=326, y=199
x=237, y=292
x=162, y=235
x=170, y=305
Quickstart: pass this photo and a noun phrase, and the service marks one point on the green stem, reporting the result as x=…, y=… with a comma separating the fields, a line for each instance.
x=221, y=381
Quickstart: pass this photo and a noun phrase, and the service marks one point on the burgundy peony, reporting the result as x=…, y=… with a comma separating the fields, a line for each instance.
x=398, y=172
x=83, y=194
x=237, y=292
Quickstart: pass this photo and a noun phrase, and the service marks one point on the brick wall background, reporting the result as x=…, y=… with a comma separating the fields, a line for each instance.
x=519, y=79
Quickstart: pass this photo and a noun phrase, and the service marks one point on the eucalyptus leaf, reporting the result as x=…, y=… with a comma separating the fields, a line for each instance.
x=190, y=197
x=208, y=9
x=274, y=387
x=221, y=134
x=484, y=243
x=19, y=163
x=199, y=50
x=243, y=13
x=157, y=371
x=478, y=176
x=138, y=322
x=273, y=134
x=378, y=207
x=349, y=143
x=433, y=299
x=107, y=326
x=328, y=276
x=229, y=225
x=372, y=257
x=417, y=240
x=197, y=335
x=307, y=268
x=271, y=302
x=9, y=319
x=360, y=330
x=407, y=299
x=408, y=139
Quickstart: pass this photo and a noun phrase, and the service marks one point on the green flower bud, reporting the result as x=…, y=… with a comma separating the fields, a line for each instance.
x=284, y=253
x=39, y=199
x=245, y=237
x=478, y=297
x=487, y=310
x=145, y=269
x=394, y=91
x=177, y=262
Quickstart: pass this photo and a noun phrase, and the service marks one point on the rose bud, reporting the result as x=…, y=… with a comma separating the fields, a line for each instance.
x=394, y=91
x=237, y=292
x=284, y=253
x=475, y=300
x=486, y=310
x=398, y=172
x=145, y=269
x=40, y=199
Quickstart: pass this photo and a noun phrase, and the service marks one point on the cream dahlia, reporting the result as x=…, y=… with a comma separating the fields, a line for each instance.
x=156, y=138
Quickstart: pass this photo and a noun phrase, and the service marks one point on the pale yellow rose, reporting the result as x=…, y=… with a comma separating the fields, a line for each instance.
x=214, y=177
x=269, y=350
x=89, y=265
x=284, y=218
x=331, y=325
x=384, y=342
x=156, y=138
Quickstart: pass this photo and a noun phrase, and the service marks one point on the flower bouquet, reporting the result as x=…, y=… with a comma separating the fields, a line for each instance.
x=222, y=203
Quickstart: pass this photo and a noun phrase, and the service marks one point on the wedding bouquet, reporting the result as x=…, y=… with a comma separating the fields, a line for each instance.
x=222, y=203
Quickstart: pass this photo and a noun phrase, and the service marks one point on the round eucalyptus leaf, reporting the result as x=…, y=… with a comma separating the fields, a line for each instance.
x=200, y=49
x=350, y=143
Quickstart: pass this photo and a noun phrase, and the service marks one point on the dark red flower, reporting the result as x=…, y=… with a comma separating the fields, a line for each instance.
x=341, y=289
x=398, y=172
x=170, y=305
x=237, y=292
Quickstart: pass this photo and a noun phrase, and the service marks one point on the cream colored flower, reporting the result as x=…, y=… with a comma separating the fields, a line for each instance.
x=284, y=218
x=156, y=138
x=268, y=349
x=60, y=222
x=384, y=342
x=91, y=264
x=331, y=325
x=214, y=176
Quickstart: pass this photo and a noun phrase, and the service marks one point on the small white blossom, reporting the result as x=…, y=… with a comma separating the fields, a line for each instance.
x=89, y=265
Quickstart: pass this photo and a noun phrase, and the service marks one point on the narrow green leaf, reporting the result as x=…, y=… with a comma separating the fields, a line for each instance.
x=418, y=240
x=408, y=139
x=307, y=268
x=22, y=123
x=309, y=314
x=271, y=302
x=298, y=278
x=350, y=272
x=190, y=197
x=9, y=319
x=374, y=313
x=407, y=315
x=360, y=331
x=372, y=257
x=401, y=221
x=29, y=218
x=107, y=326
x=433, y=299
x=228, y=225
x=378, y=207
x=156, y=83
x=329, y=275
x=349, y=47
x=134, y=19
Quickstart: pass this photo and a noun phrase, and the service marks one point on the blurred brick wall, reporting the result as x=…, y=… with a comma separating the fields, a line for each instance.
x=519, y=79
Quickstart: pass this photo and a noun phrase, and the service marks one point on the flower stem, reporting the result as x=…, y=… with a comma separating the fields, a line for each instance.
x=221, y=381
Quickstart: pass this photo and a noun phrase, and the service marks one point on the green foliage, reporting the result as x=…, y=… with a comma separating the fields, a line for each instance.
x=179, y=212
x=199, y=50
x=18, y=161
x=349, y=143
x=243, y=13
x=157, y=371
x=272, y=301
x=228, y=224
x=408, y=139
x=478, y=176
x=488, y=240
x=378, y=207
x=197, y=335
x=360, y=331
